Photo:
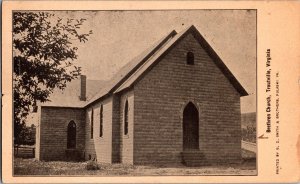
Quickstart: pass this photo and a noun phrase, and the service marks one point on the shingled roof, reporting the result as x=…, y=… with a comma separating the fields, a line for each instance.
x=69, y=97
x=137, y=67
x=126, y=71
x=131, y=72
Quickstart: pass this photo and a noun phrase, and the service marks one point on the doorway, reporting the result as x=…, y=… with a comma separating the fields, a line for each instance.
x=190, y=127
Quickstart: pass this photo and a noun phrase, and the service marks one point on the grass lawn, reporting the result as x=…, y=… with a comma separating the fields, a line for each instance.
x=33, y=167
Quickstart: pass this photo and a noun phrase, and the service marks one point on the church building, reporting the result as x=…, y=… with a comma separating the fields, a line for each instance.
x=175, y=103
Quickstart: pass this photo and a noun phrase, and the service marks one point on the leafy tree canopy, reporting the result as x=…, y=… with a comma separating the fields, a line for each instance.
x=43, y=58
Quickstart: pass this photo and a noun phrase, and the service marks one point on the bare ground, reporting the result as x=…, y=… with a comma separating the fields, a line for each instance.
x=38, y=168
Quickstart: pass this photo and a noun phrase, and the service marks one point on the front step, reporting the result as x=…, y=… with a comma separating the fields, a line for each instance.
x=193, y=158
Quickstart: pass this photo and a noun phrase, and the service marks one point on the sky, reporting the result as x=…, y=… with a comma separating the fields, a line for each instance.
x=118, y=36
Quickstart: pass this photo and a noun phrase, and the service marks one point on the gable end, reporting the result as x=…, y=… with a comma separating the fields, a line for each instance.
x=210, y=51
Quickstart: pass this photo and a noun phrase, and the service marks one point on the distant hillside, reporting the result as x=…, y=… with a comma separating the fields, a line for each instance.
x=249, y=120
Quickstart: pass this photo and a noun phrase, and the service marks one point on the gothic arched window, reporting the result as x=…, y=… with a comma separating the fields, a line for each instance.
x=126, y=118
x=92, y=124
x=101, y=121
x=71, y=139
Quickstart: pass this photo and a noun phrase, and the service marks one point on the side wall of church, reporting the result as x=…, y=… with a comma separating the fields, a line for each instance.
x=126, y=140
x=99, y=147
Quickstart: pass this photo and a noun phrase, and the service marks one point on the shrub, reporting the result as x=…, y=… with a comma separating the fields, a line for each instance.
x=92, y=165
x=249, y=134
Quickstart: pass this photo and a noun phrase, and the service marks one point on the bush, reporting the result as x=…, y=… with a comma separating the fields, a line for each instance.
x=249, y=134
x=92, y=165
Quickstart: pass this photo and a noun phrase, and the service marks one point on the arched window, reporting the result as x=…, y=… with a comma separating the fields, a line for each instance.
x=101, y=121
x=126, y=118
x=92, y=124
x=71, y=139
x=190, y=58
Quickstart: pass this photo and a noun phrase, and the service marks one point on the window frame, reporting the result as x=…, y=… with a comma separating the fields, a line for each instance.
x=92, y=123
x=126, y=119
x=101, y=121
x=190, y=58
x=70, y=126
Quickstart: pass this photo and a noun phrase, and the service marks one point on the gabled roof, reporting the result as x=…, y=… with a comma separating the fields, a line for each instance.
x=137, y=67
x=126, y=71
x=131, y=72
x=168, y=46
x=69, y=97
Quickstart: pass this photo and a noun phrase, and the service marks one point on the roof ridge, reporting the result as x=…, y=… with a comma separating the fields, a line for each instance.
x=132, y=72
x=206, y=46
x=170, y=35
x=140, y=63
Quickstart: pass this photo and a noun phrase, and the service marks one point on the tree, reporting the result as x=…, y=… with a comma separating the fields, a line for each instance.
x=27, y=135
x=43, y=58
